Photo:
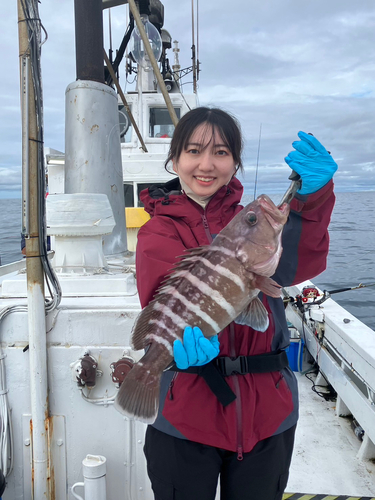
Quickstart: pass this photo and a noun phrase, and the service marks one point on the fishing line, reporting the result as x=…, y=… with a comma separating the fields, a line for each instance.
x=256, y=170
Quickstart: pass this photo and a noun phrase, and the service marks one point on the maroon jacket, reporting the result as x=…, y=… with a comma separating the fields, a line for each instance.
x=266, y=403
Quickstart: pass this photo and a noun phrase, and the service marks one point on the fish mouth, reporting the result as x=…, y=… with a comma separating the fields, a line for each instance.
x=276, y=216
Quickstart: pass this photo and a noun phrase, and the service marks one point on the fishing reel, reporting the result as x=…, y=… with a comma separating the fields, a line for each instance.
x=308, y=296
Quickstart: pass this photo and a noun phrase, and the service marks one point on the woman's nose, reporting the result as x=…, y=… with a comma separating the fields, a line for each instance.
x=207, y=161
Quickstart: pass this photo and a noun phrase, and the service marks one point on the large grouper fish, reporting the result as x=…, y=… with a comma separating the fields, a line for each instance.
x=209, y=287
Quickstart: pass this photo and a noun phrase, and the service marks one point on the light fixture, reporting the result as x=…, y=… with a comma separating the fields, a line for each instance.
x=137, y=48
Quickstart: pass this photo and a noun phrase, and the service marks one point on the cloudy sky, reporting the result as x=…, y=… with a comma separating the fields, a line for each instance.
x=285, y=65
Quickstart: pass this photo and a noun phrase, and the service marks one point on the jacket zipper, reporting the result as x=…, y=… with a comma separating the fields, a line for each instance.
x=171, y=384
x=239, y=418
x=238, y=397
x=207, y=228
x=210, y=239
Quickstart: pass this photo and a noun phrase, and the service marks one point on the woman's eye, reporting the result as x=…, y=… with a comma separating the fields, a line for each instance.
x=193, y=151
x=251, y=218
x=222, y=152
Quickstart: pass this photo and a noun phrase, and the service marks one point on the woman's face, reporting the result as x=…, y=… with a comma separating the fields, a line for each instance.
x=206, y=164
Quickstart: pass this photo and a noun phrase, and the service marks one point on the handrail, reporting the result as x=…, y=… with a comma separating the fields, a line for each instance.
x=18, y=265
x=13, y=267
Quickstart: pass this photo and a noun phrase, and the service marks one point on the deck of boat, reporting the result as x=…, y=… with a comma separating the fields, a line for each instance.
x=324, y=459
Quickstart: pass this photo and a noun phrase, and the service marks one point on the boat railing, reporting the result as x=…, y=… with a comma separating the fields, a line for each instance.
x=19, y=265
x=13, y=267
x=344, y=349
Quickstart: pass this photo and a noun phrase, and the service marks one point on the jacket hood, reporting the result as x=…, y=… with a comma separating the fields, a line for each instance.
x=169, y=199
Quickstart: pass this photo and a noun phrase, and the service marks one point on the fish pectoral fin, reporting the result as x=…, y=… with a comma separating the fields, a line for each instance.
x=268, y=286
x=254, y=315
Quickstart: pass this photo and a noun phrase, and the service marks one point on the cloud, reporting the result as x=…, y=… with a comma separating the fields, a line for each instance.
x=287, y=66
x=10, y=179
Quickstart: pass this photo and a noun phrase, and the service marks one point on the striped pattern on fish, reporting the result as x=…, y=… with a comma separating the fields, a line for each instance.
x=210, y=287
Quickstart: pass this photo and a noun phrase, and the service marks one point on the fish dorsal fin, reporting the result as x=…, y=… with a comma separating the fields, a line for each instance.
x=187, y=262
x=254, y=315
x=142, y=325
x=188, y=259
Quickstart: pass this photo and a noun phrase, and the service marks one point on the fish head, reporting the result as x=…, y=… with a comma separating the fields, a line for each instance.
x=258, y=238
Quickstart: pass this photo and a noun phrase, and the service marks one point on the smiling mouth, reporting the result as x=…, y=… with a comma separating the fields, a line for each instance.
x=205, y=179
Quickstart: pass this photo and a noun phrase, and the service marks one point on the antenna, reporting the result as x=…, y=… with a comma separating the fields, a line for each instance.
x=110, y=36
x=256, y=170
x=198, y=40
x=193, y=49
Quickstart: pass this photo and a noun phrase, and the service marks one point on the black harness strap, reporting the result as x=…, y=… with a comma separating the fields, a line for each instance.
x=216, y=382
x=215, y=371
x=261, y=363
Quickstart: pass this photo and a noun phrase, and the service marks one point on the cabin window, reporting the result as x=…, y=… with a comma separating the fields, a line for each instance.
x=129, y=195
x=161, y=125
x=125, y=124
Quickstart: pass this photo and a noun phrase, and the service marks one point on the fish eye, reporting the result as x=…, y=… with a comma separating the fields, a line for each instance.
x=251, y=218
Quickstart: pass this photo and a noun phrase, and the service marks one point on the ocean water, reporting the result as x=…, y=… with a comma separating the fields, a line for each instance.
x=10, y=231
x=351, y=257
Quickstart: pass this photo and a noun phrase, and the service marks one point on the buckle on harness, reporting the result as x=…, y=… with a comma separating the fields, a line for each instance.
x=229, y=366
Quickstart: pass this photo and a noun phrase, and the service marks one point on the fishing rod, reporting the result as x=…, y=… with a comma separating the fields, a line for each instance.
x=328, y=293
x=256, y=170
x=310, y=292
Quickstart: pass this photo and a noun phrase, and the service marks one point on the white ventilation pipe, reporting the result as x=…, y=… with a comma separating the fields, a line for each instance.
x=93, y=152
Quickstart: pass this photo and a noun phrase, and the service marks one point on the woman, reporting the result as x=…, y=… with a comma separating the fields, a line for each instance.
x=199, y=436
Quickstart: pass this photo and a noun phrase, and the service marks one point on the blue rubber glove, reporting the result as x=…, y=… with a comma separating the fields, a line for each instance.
x=196, y=350
x=312, y=162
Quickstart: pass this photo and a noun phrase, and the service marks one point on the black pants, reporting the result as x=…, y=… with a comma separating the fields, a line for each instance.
x=185, y=470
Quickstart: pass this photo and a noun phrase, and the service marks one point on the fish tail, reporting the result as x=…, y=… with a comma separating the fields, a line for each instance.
x=138, y=396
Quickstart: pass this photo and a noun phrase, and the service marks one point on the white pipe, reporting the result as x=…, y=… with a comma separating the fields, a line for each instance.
x=93, y=151
x=38, y=388
x=94, y=472
x=35, y=296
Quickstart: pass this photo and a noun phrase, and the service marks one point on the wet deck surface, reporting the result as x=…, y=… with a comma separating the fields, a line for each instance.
x=324, y=464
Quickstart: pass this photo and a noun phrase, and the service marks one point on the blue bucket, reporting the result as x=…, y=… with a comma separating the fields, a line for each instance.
x=295, y=362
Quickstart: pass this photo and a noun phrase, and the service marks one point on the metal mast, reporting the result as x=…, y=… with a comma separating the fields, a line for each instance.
x=34, y=268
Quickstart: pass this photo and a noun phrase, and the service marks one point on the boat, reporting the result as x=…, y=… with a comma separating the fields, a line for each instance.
x=336, y=351
x=66, y=320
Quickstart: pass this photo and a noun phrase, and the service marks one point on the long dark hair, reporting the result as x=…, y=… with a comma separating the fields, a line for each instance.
x=227, y=126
